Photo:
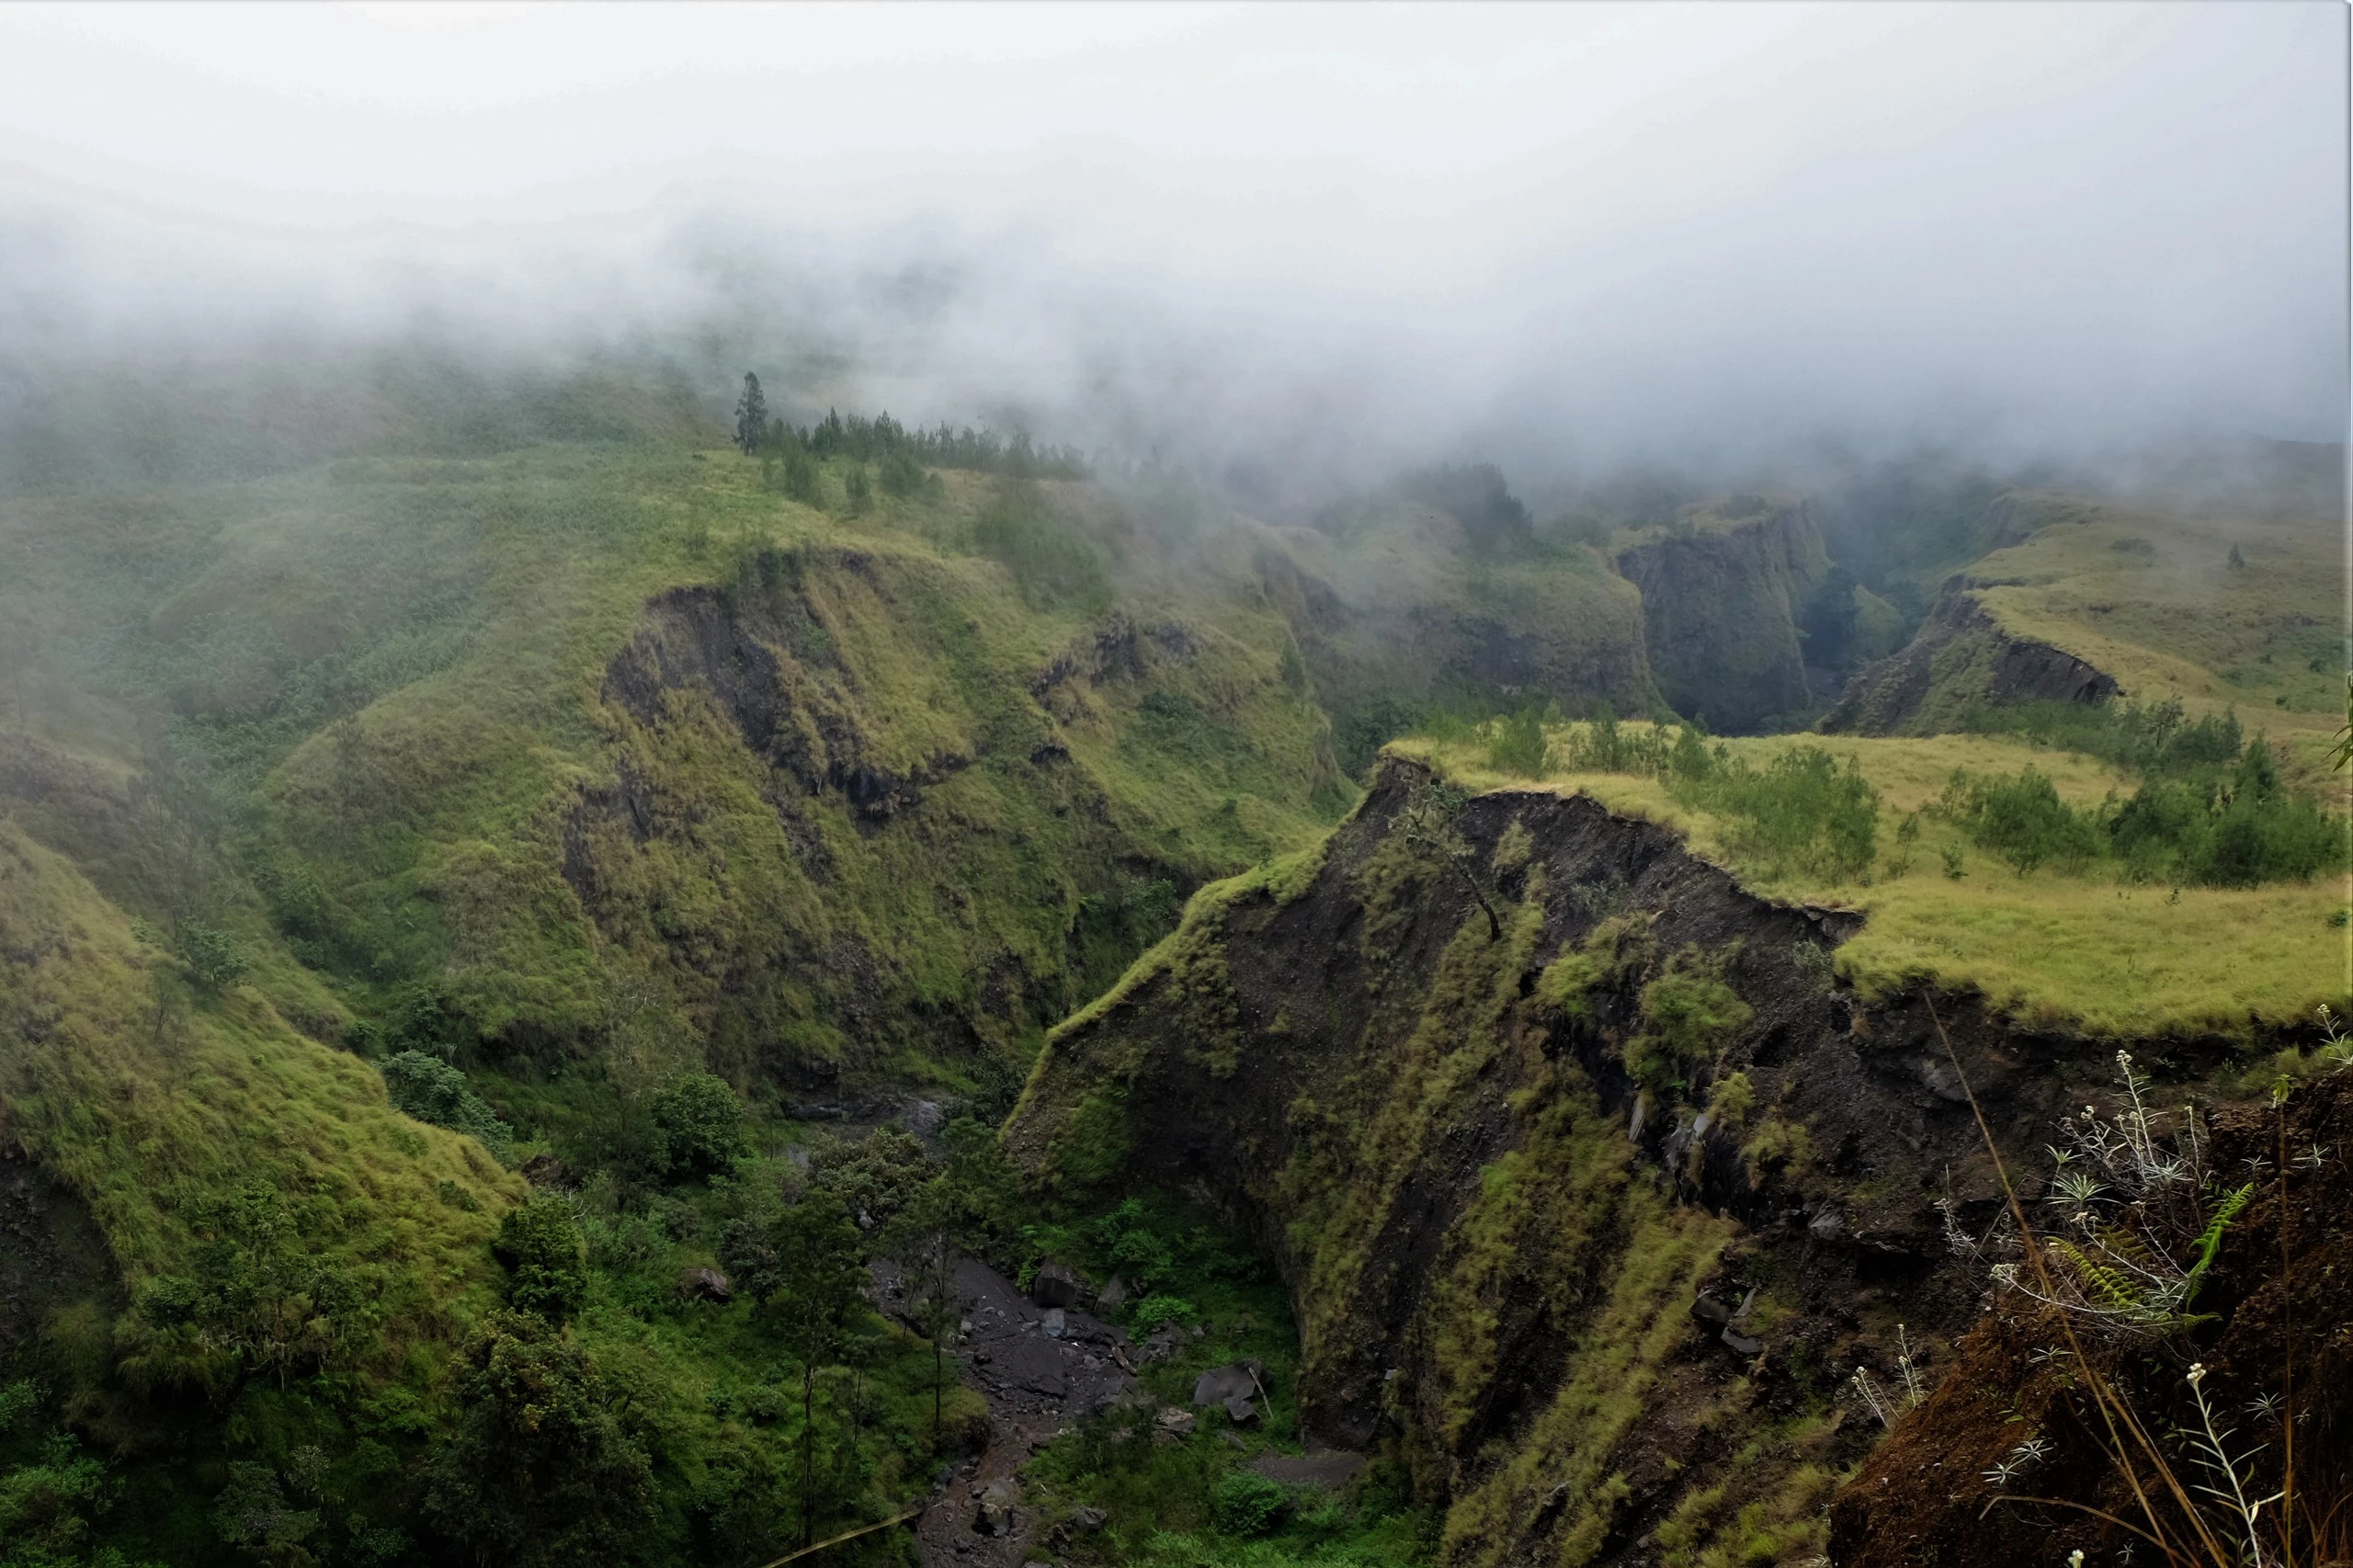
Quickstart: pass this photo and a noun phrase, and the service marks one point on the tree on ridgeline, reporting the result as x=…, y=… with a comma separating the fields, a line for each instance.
x=751, y=416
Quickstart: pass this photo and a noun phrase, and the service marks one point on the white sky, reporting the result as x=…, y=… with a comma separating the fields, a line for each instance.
x=1626, y=217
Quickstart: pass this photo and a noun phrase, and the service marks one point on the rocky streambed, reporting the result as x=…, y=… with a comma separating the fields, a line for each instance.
x=1042, y=1369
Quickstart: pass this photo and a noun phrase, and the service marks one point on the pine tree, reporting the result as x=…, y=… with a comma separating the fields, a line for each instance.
x=751, y=416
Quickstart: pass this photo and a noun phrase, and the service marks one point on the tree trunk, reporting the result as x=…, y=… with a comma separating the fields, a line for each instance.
x=808, y=1453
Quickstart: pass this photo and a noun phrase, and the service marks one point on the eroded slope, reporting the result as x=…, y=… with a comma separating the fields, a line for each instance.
x=1521, y=1183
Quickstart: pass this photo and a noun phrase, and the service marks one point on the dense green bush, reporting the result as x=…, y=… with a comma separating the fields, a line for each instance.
x=216, y=958
x=52, y=1507
x=1247, y=1503
x=1802, y=812
x=2200, y=824
x=545, y=1257
x=541, y=1472
x=1517, y=745
x=2023, y=821
x=255, y=1298
x=698, y=1127
x=2156, y=742
x=1689, y=1013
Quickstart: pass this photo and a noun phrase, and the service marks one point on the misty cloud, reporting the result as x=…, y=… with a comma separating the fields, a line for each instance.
x=1338, y=238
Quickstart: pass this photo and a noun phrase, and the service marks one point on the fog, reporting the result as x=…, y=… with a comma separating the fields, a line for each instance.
x=1315, y=239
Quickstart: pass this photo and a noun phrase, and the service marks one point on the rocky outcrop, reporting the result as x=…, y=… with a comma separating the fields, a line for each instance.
x=1960, y=657
x=1572, y=1214
x=1722, y=599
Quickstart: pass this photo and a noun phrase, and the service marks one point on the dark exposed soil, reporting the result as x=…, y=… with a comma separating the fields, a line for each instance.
x=51, y=1252
x=1923, y=1500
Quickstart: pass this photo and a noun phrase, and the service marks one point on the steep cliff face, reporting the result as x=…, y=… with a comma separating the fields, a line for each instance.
x=1588, y=1213
x=1399, y=610
x=844, y=821
x=1722, y=600
x=1960, y=657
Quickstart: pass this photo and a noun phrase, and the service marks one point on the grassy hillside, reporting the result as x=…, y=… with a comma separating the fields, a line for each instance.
x=2241, y=610
x=2091, y=949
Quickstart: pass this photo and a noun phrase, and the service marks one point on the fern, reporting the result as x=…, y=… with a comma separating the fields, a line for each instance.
x=2111, y=1287
x=2210, y=1240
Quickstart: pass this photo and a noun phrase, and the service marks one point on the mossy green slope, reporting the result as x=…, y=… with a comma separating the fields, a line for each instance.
x=148, y=1091
x=412, y=680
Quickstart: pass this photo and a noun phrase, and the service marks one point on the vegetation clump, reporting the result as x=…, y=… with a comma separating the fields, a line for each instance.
x=432, y=1090
x=2208, y=816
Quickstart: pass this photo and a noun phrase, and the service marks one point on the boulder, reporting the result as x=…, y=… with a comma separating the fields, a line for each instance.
x=1241, y=1410
x=547, y=1173
x=1058, y=1284
x=1236, y=1379
x=1173, y=1423
x=1112, y=1296
x=704, y=1285
x=994, y=1514
x=1055, y=1324
x=1089, y=1520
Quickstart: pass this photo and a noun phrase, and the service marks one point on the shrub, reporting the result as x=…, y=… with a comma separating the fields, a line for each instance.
x=697, y=1126
x=544, y=1257
x=1802, y=812
x=1518, y=746
x=1687, y=1015
x=1153, y=1310
x=431, y=1090
x=216, y=958
x=1247, y=1503
x=541, y=1471
x=2024, y=821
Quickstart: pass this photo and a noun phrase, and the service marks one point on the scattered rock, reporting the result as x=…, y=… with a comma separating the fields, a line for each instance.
x=1160, y=1344
x=704, y=1285
x=1089, y=1520
x=1742, y=1342
x=1058, y=1284
x=1173, y=1424
x=1114, y=1293
x=1240, y=1410
x=1055, y=1324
